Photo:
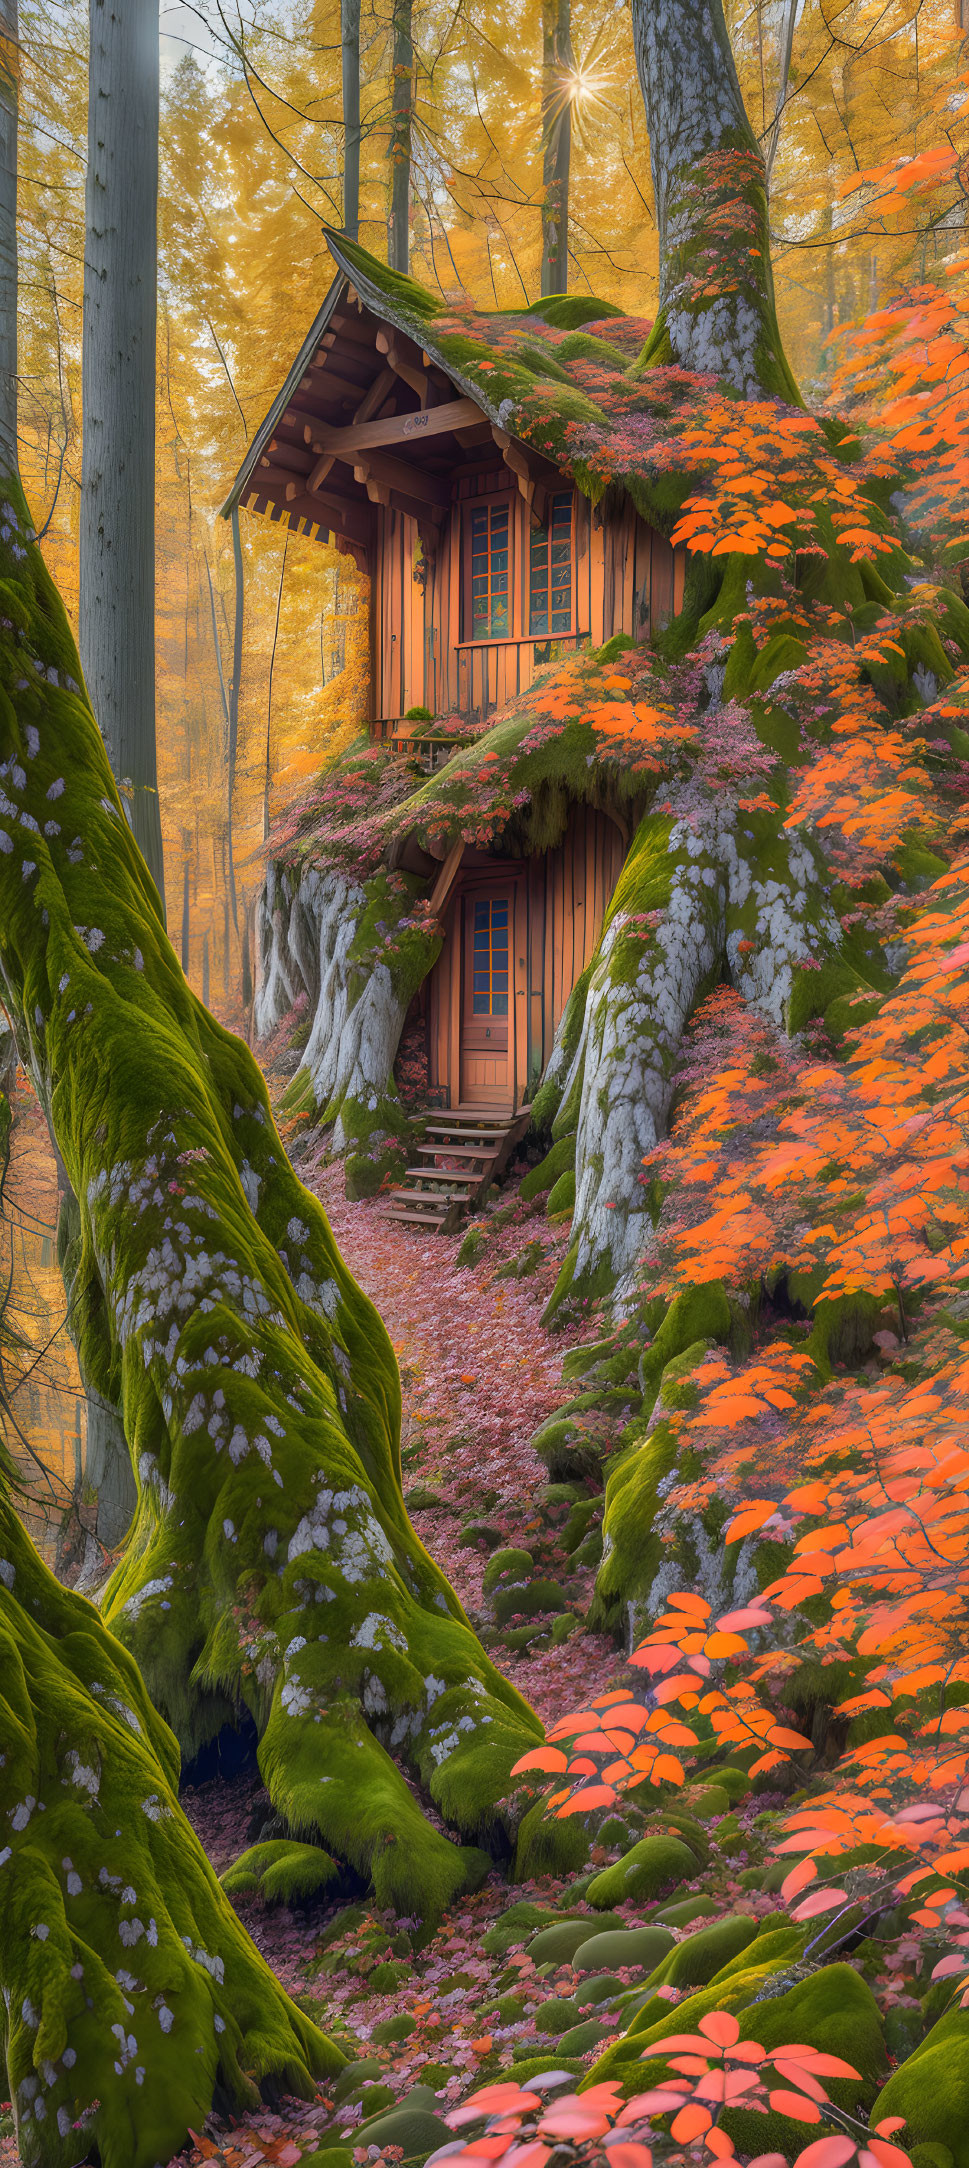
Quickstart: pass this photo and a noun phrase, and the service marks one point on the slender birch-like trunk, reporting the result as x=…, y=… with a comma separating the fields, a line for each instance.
x=400, y=135
x=117, y=529
x=556, y=144
x=350, y=35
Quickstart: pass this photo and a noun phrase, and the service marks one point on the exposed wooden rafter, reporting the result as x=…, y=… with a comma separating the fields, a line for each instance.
x=391, y=344
x=362, y=434
x=373, y=399
x=413, y=481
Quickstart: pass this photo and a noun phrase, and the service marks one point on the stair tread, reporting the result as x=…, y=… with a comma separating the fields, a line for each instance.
x=435, y=1199
x=437, y=1174
x=480, y=1125
x=456, y=1151
x=490, y=1137
x=414, y=1219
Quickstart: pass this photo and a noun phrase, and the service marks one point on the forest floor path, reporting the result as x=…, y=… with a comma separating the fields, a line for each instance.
x=479, y=1374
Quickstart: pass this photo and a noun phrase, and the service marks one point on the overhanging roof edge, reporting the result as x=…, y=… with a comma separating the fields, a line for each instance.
x=283, y=396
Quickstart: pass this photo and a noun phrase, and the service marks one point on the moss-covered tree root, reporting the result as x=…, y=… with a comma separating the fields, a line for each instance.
x=270, y=1564
x=132, y=1997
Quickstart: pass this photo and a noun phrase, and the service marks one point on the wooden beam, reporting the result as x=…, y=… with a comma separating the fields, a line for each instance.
x=397, y=474
x=358, y=329
x=327, y=380
x=281, y=486
x=515, y=458
x=476, y=433
x=290, y=456
x=446, y=878
x=372, y=399
x=388, y=343
x=363, y=434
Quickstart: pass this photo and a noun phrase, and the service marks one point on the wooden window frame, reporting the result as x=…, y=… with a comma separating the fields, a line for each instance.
x=562, y=632
x=487, y=501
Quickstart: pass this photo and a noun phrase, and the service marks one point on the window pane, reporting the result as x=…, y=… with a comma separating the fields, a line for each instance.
x=499, y=1005
x=479, y=1005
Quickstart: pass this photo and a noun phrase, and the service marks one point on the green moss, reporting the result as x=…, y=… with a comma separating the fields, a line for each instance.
x=415, y=2130
x=557, y=1945
x=560, y=1160
x=643, y=1872
x=561, y=1200
x=931, y=2090
x=623, y=1948
x=280, y=1872
x=548, y=1846
x=214, y=1307
x=832, y=2010
x=100, y=1858
x=696, y=1960
x=504, y=1563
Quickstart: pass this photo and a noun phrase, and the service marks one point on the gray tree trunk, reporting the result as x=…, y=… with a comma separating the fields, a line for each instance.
x=400, y=136
x=556, y=144
x=8, y=235
x=717, y=312
x=350, y=35
x=117, y=530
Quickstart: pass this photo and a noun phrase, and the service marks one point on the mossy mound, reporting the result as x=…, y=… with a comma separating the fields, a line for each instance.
x=416, y=2130
x=280, y=1872
x=643, y=1872
x=557, y=1945
x=625, y=1947
x=693, y=1962
x=931, y=2090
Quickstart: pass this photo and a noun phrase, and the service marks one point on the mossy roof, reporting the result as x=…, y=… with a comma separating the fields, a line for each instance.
x=560, y=374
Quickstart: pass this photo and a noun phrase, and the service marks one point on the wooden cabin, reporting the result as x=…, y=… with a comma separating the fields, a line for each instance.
x=484, y=564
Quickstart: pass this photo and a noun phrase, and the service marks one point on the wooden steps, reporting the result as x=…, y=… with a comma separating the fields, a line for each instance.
x=474, y=1145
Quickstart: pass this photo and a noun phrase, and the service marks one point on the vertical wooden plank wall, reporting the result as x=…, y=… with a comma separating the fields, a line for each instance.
x=627, y=579
x=559, y=909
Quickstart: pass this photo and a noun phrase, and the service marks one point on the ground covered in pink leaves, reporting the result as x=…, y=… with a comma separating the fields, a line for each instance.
x=479, y=1376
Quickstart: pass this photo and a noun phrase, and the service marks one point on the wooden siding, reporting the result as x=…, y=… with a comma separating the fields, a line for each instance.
x=559, y=909
x=626, y=578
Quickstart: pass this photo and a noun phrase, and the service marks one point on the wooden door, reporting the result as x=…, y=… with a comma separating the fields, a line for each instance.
x=488, y=989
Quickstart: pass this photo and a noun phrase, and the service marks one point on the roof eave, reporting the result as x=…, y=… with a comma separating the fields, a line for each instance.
x=381, y=305
x=240, y=487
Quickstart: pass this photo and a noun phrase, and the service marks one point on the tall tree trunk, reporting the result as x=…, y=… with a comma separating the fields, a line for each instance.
x=717, y=312
x=557, y=64
x=186, y=901
x=9, y=74
x=205, y=2010
x=117, y=530
x=350, y=38
x=400, y=136
x=235, y=683
x=785, y=54
x=267, y=776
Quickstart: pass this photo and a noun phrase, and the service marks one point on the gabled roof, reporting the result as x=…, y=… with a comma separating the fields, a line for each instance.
x=291, y=383
x=554, y=387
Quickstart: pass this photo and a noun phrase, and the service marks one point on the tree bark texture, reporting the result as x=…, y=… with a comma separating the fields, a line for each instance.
x=557, y=62
x=402, y=103
x=717, y=313
x=117, y=527
x=9, y=80
x=350, y=38
x=130, y=1989
x=270, y=1565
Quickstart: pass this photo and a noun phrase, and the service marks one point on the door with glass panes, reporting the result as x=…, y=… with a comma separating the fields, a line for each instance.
x=488, y=996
